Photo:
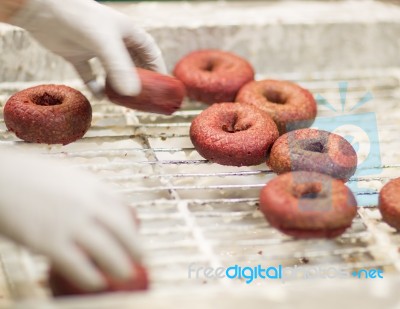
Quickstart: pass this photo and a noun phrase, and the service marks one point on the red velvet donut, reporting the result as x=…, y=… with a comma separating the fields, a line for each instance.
x=308, y=205
x=314, y=151
x=60, y=286
x=389, y=203
x=213, y=76
x=160, y=94
x=291, y=106
x=233, y=134
x=49, y=114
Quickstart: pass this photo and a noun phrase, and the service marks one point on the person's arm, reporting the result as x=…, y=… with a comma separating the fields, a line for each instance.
x=79, y=30
x=9, y=7
x=69, y=216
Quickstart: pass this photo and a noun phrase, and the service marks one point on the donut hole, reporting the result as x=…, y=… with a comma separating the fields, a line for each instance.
x=274, y=96
x=309, y=190
x=235, y=128
x=315, y=147
x=209, y=66
x=47, y=99
x=234, y=125
x=309, y=195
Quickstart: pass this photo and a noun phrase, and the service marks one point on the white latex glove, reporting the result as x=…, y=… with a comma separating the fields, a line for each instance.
x=79, y=30
x=69, y=216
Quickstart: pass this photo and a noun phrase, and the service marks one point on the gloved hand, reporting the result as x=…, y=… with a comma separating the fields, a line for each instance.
x=69, y=216
x=79, y=30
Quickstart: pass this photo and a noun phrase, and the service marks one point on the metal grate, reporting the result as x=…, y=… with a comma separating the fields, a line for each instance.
x=194, y=211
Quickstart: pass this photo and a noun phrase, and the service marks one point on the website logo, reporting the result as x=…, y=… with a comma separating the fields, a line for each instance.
x=250, y=274
x=361, y=131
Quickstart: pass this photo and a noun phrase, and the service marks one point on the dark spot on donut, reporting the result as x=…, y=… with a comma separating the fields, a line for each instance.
x=315, y=147
x=274, y=96
x=47, y=99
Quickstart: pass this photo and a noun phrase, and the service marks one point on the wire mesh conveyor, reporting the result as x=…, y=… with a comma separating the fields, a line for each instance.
x=194, y=211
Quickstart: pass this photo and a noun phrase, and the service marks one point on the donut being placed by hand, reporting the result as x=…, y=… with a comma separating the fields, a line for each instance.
x=161, y=94
x=314, y=151
x=389, y=203
x=233, y=134
x=291, y=106
x=213, y=76
x=49, y=114
x=60, y=286
x=308, y=205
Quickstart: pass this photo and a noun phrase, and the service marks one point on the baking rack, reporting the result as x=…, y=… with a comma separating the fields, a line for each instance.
x=194, y=211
